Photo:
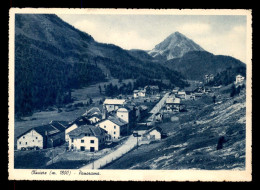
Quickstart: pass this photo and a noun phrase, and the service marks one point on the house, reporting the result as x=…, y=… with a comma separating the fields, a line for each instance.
x=148, y=133
x=181, y=95
x=141, y=128
x=208, y=78
x=92, y=111
x=154, y=134
x=175, y=90
x=114, y=126
x=42, y=137
x=87, y=137
x=239, y=79
x=113, y=104
x=151, y=89
x=190, y=95
x=93, y=115
x=139, y=93
x=82, y=120
x=174, y=105
x=94, y=118
x=198, y=94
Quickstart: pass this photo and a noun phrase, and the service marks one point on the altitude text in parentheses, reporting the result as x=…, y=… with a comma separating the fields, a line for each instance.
x=52, y=173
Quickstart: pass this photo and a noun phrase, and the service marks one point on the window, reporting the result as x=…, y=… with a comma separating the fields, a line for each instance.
x=36, y=137
x=33, y=140
x=114, y=127
x=82, y=141
x=72, y=140
x=25, y=142
x=20, y=143
x=24, y=137
x=92, y=141
x=114, y=133
x=86, y=134
x=104, y=126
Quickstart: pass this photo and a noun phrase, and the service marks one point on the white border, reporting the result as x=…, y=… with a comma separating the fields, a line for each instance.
x=134, y=175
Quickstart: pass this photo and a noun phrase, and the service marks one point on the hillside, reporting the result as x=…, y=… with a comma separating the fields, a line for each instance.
x=52, y=57
x=194, y=65
x=192, y=138
x=174, y=46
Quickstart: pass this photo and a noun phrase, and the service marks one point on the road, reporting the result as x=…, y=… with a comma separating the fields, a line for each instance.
x=129, y=144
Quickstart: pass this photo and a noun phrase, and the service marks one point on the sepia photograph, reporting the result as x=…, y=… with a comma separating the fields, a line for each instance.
x=142, y=94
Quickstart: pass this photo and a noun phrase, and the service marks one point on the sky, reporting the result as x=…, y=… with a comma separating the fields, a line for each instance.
x=218, y=34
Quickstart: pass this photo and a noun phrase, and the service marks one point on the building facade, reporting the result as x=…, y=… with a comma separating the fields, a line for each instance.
x=87, y=138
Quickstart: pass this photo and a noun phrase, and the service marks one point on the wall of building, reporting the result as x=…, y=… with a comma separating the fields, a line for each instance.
x=124, y=115
x=155, y=134
x=85, y=141
x=112, y=129
x=71, y=128
x=94, y=120
x=30, y=139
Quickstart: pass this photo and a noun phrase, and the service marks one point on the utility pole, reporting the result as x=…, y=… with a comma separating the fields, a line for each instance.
x=93, y=161
x=52, y=150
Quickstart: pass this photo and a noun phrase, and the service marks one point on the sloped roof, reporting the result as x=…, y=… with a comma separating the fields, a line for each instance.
x=80, y=121
x=117, y=120
x=169, y=100
x=177, y=101
x=87, y=129
x=181, y=92
x=51, y=130
x=114, y=101
x=60, y=125
x=122, y=110
x=93, y=110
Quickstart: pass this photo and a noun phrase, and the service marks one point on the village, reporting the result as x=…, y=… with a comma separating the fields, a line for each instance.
x=124, y=122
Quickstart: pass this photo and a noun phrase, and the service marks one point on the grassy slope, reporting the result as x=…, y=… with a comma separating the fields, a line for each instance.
x=193, y=145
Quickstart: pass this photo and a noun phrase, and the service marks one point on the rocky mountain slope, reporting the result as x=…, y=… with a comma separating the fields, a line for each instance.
x=174, y=46
x=193, y=138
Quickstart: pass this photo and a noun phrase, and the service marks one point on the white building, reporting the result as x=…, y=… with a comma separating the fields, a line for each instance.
x=114, y=126
x=181, y=94
x=123, y=114
x=74, y=125
x=87, y=137
x=239, y=79
x=139, y=93
x=113, y=104
x=154, y=134
x=30, y=139
x=44, y=136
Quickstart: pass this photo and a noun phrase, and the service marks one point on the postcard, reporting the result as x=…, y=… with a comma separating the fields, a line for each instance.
x=130, y=94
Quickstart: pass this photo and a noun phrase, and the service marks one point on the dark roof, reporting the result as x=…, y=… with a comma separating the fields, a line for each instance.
x=95, y=115
x=117, y=120
x=87, y=129
x=81, y=121
x=61, y=125
x=141, y=127
x=92, y=111
x=51, y=130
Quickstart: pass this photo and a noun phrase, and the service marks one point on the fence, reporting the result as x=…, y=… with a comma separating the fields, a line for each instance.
x=129, y=145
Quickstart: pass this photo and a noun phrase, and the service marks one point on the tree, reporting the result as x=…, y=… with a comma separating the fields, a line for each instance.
x=100, y=90
x=214, y=99
x=90, y=101
x=233, y=91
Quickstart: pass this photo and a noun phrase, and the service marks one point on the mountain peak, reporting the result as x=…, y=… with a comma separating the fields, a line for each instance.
x=174, y=46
